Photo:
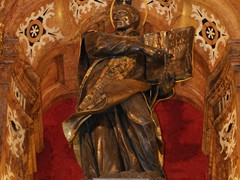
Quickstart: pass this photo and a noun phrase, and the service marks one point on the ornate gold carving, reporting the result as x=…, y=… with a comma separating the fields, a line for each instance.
x=16, y=133
x=227, y=135
x=220, y=122
x=165, y=8
x=24, y=129
x=8, y=174
x=18, y=95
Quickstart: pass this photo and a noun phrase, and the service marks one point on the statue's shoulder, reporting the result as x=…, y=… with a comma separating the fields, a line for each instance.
x=95, y=34
x=89, y=32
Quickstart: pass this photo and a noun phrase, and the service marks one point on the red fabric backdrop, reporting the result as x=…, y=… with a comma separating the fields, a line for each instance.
x=182, y=135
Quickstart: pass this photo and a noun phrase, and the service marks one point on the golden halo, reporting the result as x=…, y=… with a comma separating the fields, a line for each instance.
x=140, y=25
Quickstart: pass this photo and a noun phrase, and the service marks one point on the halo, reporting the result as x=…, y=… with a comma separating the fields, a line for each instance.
x=140, y=25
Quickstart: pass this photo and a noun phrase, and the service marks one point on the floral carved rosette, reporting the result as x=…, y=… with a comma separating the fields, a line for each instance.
x=165, y=8
x=35, y=31
x=81, y=7
x=210, y=33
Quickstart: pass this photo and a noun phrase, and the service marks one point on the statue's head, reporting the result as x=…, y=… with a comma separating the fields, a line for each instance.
x=125, y=17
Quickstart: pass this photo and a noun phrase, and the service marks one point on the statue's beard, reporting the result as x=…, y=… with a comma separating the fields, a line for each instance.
x=124, y=28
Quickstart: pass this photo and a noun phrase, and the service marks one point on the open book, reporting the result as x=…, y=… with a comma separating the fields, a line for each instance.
x=179, y=43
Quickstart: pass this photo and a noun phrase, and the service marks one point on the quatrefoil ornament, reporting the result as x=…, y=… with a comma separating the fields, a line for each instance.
x=210, y=33
x=35, y=32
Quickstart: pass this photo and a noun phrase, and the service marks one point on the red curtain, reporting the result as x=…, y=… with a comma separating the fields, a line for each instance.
x=182, y=135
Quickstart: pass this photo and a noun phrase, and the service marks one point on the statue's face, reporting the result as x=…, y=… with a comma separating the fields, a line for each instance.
x=122, y=19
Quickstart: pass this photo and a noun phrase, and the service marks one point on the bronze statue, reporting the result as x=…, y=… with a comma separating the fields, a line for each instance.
x=113, y=131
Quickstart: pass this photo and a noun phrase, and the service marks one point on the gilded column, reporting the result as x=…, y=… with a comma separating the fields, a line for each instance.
x=7, y=57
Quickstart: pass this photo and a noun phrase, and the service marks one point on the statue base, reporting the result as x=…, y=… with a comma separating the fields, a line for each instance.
x=130, y=175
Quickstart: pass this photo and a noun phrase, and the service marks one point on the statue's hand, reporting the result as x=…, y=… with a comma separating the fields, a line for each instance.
x=162, y=53
x=157, y=53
